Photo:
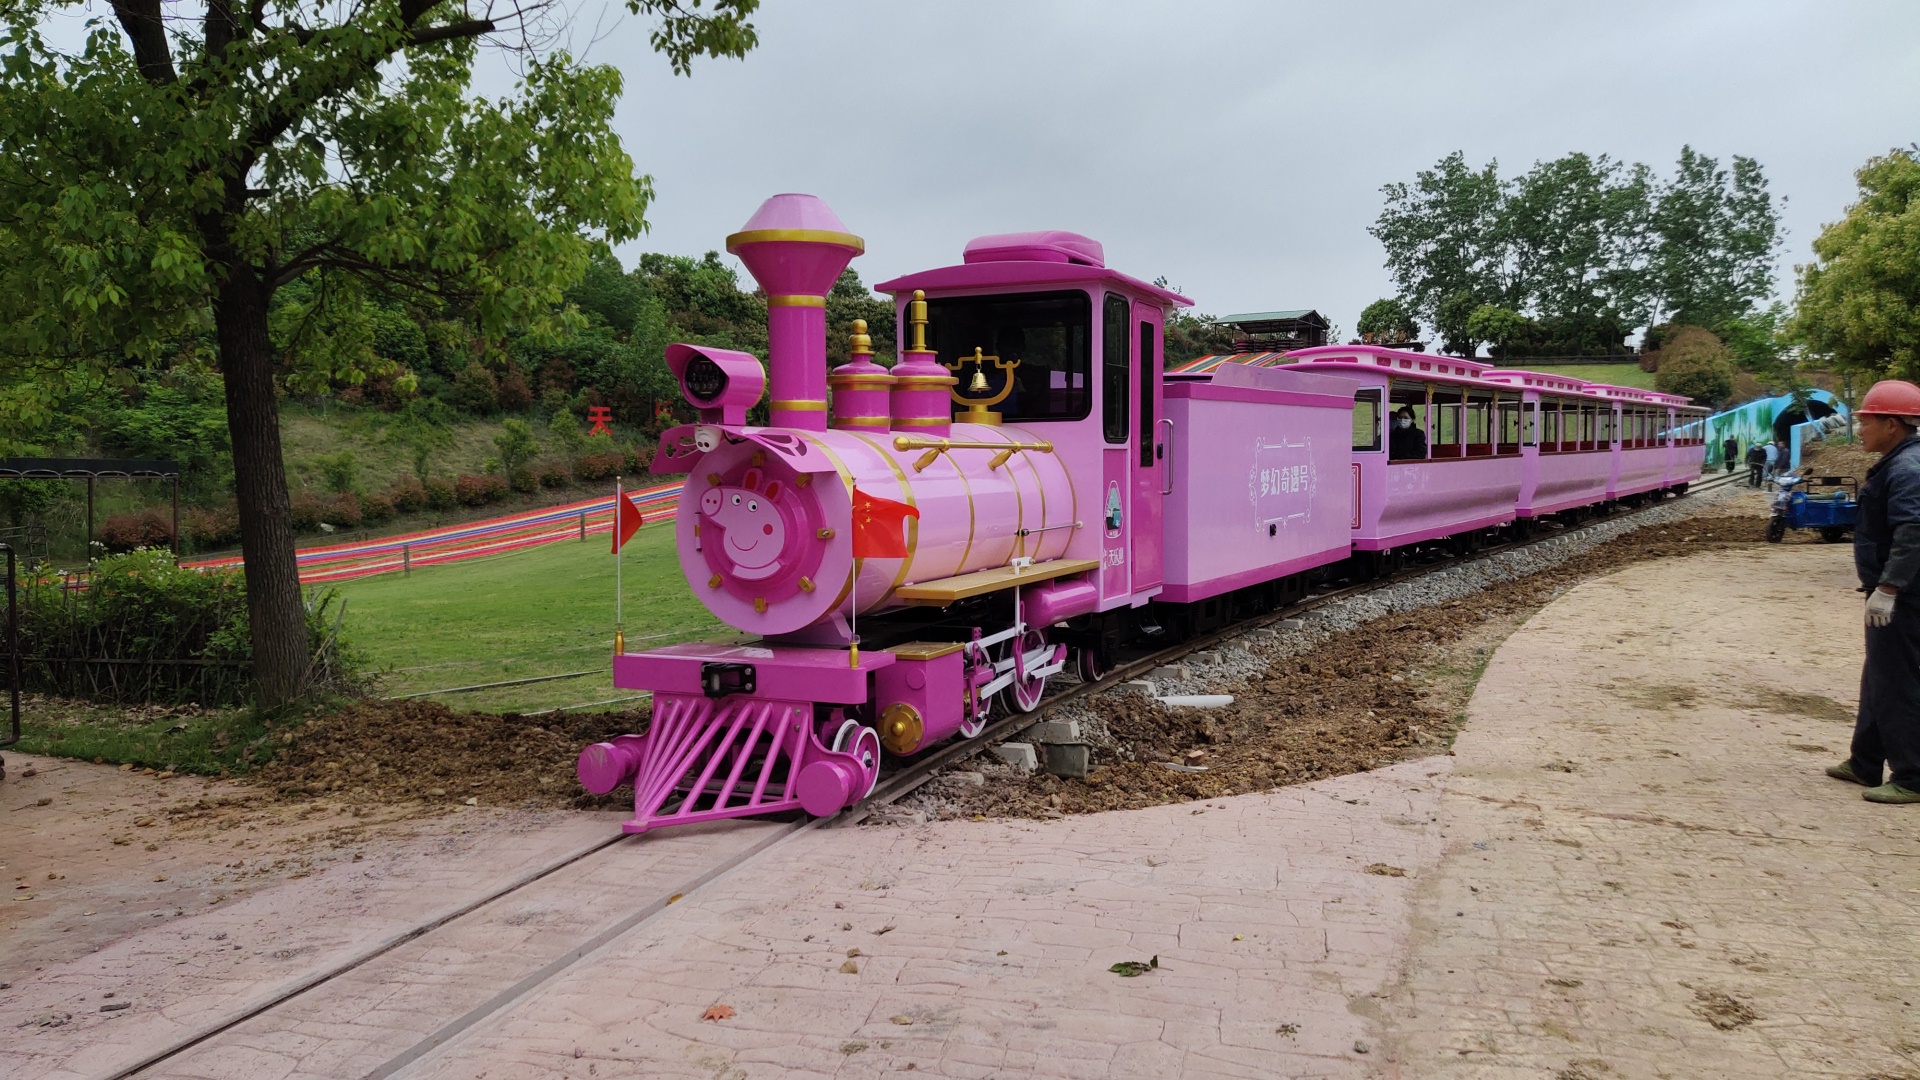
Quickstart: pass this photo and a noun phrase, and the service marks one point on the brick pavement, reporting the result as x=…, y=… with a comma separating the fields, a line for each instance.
x=1646, y=873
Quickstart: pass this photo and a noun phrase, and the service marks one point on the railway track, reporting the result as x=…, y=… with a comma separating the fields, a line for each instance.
x=552, y=878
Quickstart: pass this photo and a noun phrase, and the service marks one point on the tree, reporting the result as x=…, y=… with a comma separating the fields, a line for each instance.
x=1695, y=364
x=1860, y=301
x=172, y=176
x=1386, y=321
x=1715, y=238
x=1442, y=237
x=1452, y=320
x=1498, y=327
x=1575, y=234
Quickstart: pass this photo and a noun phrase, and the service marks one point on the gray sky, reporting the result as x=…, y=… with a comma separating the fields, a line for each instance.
x=1239, y=147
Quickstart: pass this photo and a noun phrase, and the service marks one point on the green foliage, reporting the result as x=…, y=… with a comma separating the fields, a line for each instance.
x=1587, y=247
x=475, y=390
x=23, y=499
x=1386, y=321
x=850, y=300
x=1696, y=364
x=147, y=613
x=516, y=445
x=1499, y=327
x=181, y=417
x=340, y=472
x=1859, y=303
x=422, y=429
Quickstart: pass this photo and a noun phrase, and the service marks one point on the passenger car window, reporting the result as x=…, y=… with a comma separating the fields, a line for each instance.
x=1366, y=420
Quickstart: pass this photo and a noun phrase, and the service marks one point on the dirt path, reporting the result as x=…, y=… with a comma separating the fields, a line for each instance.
x=1646, y=874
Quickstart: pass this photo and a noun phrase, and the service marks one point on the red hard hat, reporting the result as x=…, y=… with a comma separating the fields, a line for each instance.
x=1891, y=397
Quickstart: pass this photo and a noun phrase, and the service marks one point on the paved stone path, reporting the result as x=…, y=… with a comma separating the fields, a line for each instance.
x=1646, y=873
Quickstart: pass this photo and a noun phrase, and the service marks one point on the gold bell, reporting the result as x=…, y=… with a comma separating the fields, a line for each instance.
x=979, y=383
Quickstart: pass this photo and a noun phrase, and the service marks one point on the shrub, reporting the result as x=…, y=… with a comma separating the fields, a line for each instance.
x=637, y=461
x=553, y=475
x=516, y=444
x=441, y=493
x=142, y=528
x=475, y=390
x=594, y=467
x=307, y=512
x=208, y=530
x=479, y=490
x=342, y=511
x=407, y=496
x=525, y=480
x=340, y=471
x=1693, y=362
x=376, y=507
x=514, y=394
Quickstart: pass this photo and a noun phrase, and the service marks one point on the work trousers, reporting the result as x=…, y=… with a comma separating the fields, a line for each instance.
x=1753, y=475
x=1888, y=730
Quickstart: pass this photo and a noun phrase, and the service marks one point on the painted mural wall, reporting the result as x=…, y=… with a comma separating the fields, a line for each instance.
x=1755, y=421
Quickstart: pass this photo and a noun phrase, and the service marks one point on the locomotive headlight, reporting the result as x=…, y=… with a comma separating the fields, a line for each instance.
x=704, y=380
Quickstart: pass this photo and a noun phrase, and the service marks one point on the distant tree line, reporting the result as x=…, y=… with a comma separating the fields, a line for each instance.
x=1574, y=255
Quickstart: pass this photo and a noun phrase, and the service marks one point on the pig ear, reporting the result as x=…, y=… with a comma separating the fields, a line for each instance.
x=751, y=481
x=773, y=489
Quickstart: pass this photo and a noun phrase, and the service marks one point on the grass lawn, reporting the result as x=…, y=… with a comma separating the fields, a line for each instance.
x=1617, y=374
x=542, y=611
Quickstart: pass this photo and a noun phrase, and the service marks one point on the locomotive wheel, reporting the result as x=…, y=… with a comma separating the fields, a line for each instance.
x=862, y=742
x=1090, y=664
x=1023, y=696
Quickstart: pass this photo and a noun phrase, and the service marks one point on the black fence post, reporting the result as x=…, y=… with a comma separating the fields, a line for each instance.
x=13, y=648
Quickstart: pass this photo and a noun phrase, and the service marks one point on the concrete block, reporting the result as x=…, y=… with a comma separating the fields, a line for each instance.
x=1204, y=656
x=1019, y=755
x=1070, y=760
x=1138, y=686
x=1171, y=671
x=1293, y=624
x=1054, y=731
x=1263, y=632
x=1196, y=701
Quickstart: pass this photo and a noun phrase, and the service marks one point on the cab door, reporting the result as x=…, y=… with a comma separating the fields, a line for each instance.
x=1117, y=453
x=1151, y=469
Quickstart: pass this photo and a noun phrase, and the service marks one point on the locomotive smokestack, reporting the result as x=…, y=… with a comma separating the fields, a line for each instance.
x=795, y=247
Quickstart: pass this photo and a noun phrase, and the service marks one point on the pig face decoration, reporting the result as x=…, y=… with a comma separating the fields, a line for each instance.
x=754, y=527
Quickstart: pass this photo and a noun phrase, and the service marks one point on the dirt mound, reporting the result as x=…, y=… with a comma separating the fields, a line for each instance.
x=1389, y=690
x=388, y=751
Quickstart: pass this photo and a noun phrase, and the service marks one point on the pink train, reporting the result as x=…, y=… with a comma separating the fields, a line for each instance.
x=1074, y=499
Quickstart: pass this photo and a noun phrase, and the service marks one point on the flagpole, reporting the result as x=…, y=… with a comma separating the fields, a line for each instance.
x=619, y=622
x=853, y=595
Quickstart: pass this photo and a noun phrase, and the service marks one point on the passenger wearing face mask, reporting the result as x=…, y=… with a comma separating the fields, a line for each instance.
x=1405, y=440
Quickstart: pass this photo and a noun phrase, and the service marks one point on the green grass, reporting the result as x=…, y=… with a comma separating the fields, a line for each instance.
x=1617, y=374
x=182, y=739
x=543, y=611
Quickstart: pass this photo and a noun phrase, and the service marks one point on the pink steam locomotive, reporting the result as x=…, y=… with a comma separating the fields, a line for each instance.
x=1073, y=497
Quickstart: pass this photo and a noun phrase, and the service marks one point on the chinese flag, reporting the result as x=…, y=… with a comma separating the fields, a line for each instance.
x=877, y=532
x=626, y=521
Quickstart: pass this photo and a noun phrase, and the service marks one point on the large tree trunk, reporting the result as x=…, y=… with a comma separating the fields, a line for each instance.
x=277, y=618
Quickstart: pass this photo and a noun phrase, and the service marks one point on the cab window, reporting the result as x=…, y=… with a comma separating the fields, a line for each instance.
x=1049, y=333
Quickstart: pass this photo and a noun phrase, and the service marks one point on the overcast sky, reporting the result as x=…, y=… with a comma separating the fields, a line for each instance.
x=1239, y=147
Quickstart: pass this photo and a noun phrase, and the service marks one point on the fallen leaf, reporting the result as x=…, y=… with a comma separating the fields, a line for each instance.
x=1129, y=969
x=717, y=1013
x=1384, y=870
x=887, y=929
x=1239, y=937
x=903, y=1020
x=852, y=953
x=849, y=968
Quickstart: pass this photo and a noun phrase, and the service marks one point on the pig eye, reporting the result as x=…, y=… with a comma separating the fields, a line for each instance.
x=753, y=506
x=736, y=500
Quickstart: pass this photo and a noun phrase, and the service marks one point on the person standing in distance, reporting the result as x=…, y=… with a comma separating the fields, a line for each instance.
x=1730, y=452
x=1886, y=552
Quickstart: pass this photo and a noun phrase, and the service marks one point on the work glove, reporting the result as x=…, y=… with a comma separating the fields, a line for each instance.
x=1879, y=608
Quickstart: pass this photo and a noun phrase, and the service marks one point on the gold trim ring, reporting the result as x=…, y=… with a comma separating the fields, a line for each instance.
x=922, y=421
x=795, y=300
x=798, y=405
x=795, y=236
x=862, y=421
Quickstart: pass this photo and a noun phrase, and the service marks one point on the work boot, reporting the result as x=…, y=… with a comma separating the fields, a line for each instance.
x=1890, y=793
x=1844, y=771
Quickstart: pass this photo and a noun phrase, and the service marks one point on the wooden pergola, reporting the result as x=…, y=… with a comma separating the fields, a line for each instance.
x=91, y=469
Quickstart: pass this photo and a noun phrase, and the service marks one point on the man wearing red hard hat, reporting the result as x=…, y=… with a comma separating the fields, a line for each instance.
x=1886, y=552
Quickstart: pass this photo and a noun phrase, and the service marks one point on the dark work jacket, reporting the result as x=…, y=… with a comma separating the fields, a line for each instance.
x=1890, y=498
x=1406, y=443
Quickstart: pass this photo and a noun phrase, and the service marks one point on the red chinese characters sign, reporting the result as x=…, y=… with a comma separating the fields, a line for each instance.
x=600, y=415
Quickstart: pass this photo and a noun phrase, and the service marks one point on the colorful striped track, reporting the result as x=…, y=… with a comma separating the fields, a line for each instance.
x=474, y=540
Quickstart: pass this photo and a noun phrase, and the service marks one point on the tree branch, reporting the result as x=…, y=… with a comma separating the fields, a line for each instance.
x=220, y=28
x=453, y=31
x=141, y=20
